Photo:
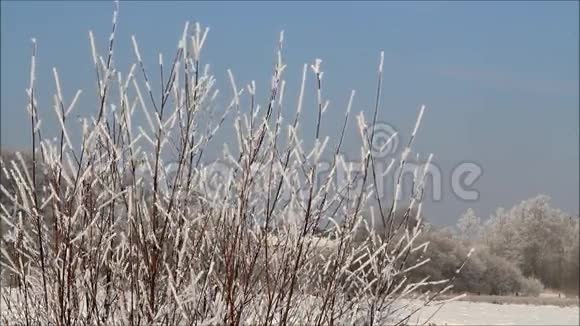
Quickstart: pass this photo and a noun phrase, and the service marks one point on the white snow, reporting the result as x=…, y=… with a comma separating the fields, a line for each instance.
x=479, y=313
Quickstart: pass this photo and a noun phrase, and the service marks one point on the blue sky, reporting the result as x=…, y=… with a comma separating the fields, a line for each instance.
x=500, y=79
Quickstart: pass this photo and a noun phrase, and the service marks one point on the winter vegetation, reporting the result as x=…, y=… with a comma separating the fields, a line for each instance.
x=125, y=224
x=518, y=252
x=96, y=231
x=541, y=240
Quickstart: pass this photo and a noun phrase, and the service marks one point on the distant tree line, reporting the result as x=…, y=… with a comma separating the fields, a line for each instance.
x=541, y=240
x=520, y=250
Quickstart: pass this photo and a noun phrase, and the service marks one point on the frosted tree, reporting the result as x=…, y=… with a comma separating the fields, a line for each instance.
x=536, y=236
x=469, y=225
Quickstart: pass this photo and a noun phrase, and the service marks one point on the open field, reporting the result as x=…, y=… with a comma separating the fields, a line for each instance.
x=463, y=312
x=483, y=313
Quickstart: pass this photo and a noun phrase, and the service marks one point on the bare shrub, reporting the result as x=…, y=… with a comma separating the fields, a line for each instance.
x=123, y=237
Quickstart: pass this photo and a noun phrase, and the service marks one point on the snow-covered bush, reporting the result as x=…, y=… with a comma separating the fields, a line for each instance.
x=123, y=237
x=531, y=287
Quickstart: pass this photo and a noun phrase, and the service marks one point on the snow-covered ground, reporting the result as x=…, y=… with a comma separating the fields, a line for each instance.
x=473, y=313
x=479, y=313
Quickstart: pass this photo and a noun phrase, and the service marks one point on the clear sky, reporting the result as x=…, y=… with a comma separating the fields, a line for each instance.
x=500, y=79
